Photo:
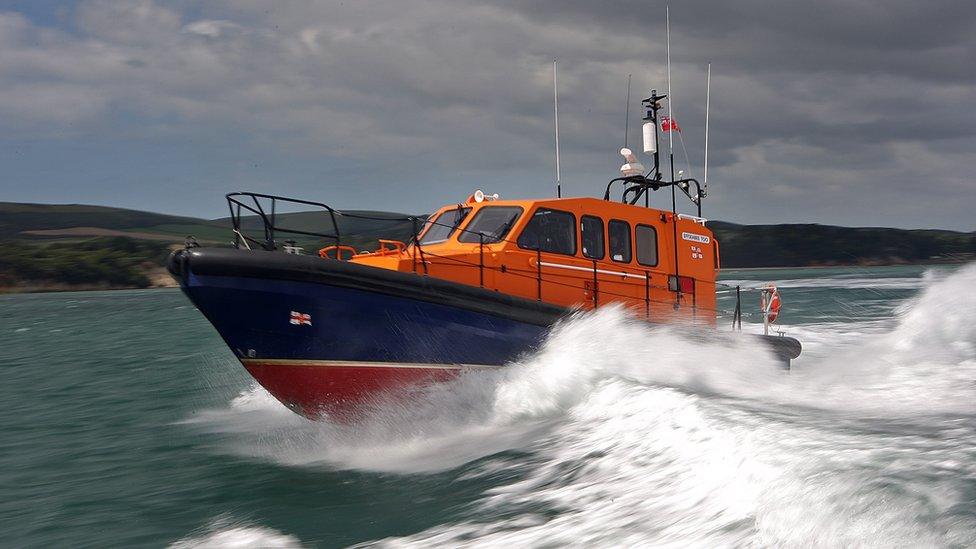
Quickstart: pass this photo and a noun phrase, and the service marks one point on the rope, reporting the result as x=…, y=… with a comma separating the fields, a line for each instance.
x=681, y=140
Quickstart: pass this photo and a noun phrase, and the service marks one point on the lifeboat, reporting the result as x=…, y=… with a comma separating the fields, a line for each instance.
x=476, y=285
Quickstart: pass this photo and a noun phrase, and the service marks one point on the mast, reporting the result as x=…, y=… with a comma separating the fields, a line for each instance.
x=649, y=133
x=635, y=181
x=555, y=111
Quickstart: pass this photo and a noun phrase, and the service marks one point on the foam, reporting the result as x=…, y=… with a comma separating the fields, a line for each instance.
x=850, y=283
x=628, y=435
x=225, y=534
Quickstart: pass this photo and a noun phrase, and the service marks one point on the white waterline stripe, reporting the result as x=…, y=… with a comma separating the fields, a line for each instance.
x=359, y=364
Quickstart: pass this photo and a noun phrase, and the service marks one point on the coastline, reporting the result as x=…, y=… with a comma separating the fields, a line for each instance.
x=159, y=279
x=65, y=288
x=162, y=280
x=932, y=263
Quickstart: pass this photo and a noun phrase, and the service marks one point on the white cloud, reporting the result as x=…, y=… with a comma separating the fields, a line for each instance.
x=211, y=28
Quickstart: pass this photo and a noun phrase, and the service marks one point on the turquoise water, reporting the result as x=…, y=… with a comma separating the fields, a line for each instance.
x=127, y=423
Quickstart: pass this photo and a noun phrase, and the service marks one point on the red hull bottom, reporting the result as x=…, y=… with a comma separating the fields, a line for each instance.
x=314, y=388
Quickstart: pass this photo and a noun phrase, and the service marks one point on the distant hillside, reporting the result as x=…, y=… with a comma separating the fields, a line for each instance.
x=77, y=221
x=70, y=220
x=72, y=246
x=98, y=263
x=798, y=245
x=45, y=247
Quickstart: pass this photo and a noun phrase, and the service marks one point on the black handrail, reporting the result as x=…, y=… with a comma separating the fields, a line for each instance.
x=596, y=282
x=640, y=184
x=538, y=265
x=238, y=203
x=238, y=200
x=415, y=239
x=738, y=308
x=647, y=294
x=481, y=259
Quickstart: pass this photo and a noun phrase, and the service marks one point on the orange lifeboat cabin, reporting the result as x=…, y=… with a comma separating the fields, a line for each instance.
x=572, y=252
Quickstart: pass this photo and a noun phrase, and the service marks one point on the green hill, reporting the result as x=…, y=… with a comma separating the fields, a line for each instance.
x=74, y=246
x=98, y=263
x=79, y=221
x=20, y=220
x=812, y=245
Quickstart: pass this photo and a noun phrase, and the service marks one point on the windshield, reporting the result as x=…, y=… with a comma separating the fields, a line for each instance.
x=492, y=221
x=443, y=226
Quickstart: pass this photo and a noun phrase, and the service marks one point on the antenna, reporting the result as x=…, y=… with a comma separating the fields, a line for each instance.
x=555, y=111
x=670, y=96
x=674, y=203
x=627, y=116
x=708, y=94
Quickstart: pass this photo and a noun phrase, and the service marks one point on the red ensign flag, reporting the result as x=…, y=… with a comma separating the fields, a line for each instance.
x=668, y=124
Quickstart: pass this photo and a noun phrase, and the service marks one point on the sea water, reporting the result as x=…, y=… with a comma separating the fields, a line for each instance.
x=126, y=422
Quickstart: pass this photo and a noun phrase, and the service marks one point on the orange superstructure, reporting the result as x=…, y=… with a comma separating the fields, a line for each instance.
x=572, y=252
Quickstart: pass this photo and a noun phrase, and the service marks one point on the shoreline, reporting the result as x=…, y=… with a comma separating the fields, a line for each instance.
x=67, y=288
x=159, y=283
x=922, y=264
x=158, y=278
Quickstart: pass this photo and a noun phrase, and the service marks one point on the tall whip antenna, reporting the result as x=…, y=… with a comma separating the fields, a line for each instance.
x=627, y=116
x=555, y=111
x=674, y=203
x=708, y=95
x=670, y=97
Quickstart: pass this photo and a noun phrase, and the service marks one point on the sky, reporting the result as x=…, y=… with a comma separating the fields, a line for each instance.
x=855, y=112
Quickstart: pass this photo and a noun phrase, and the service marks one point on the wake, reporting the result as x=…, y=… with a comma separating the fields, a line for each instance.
x=924, y=366
x=618, y=433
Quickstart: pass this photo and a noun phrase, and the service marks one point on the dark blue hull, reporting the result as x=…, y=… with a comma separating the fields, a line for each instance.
x=254, y=316
x=328, y=336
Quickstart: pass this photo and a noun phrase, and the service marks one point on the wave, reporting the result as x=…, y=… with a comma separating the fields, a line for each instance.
x=850, y=283
x=224, y=533
x=625, y=434
x=485, y=412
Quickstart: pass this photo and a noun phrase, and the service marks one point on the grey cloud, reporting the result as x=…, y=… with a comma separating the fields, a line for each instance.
x=810, y=100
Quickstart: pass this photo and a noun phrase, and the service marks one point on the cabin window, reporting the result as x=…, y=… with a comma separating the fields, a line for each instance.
x=550, y=231
x=443, y=226
x=591, y=236
x=492, y=221
x=646, y=245
x=619, y=232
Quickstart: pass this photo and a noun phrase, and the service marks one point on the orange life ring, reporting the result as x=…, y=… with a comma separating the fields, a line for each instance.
x=774, y=303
